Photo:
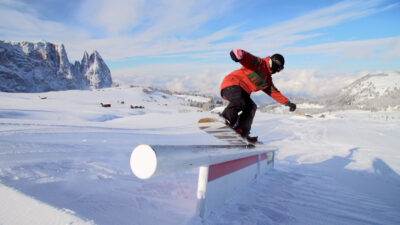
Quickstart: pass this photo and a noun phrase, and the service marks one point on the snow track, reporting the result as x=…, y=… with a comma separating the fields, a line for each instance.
x=73, y=168
x=304, y=197
x=21, y=209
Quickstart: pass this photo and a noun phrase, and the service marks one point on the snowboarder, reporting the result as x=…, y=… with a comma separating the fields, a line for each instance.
x=255, y=74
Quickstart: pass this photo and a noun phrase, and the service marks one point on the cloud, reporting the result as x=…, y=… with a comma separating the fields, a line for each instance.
x=20, y=22
x=394, y=49
x=195, y=77
x=113, y=16
x=207, y=79
x=295, y=82
x=172, y=27
x=307, y=26
x=177, y=85
x=151, y=19
x=311, y=82
x=148, y=28
x=349, y=49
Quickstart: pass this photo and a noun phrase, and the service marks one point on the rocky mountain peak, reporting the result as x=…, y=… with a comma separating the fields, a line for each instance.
x=43, y=66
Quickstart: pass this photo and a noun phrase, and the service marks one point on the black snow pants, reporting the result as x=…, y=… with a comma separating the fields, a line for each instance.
x=239, y=101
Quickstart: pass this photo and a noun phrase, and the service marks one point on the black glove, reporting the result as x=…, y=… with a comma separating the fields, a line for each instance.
x=291, y=106
x=233, y=56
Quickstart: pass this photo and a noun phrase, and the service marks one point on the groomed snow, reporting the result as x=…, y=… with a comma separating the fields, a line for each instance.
x=19, y=209
x=69, y=157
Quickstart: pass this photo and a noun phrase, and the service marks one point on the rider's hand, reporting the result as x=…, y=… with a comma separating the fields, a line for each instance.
x=236, y=55
x=291, y=106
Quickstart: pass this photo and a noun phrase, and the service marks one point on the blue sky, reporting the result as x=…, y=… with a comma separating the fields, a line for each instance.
x=184, y=45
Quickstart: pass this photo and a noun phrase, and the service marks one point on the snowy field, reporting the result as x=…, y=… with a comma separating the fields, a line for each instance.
x=64, y=159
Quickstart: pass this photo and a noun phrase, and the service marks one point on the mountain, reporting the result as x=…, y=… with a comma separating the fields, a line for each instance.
x=43, y=66
x=373, y=92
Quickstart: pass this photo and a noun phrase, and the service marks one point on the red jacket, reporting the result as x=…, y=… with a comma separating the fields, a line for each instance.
x=255, y=75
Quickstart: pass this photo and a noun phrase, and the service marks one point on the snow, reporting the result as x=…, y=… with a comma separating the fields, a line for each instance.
x=31, y=211
x=373, y=86
x=383, y=85
x=200, y=99
x=309, y=106
x=65, y=160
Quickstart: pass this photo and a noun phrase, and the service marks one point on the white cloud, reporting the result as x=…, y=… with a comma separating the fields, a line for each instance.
x=177, y=76
x=148, y=28
x=19, y=22
x=294, y=30
x=169, y=25
x=311, y=82
x=394, y=49
x=207, y=79
x=152, y=19
x=298, y=82
x=177, y=85
x=349, y=49
x=113, y=16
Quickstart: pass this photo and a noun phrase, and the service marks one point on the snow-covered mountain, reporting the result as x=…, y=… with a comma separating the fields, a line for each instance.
x=373, y=92
x=43, y=66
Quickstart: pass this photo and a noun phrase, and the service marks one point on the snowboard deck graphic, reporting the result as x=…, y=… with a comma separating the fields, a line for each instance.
x=218, y=129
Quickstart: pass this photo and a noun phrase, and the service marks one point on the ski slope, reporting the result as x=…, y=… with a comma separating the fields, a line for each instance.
x=64, y=159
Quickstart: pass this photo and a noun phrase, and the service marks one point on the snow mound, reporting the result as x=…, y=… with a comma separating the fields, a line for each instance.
x=22, y=209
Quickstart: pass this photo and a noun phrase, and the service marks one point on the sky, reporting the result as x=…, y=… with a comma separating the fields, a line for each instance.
x=184, y=45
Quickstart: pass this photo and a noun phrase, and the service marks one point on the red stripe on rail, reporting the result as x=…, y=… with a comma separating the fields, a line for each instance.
x=219, y=170
x=264, y=156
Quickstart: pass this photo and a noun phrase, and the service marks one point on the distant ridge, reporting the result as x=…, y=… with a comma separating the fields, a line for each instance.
x=43, y=66
x=373, y=92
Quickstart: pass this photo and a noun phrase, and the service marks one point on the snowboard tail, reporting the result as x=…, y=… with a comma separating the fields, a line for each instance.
x=220, y=130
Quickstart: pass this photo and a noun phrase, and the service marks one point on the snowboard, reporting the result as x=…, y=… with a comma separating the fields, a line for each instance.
x=220, y=130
